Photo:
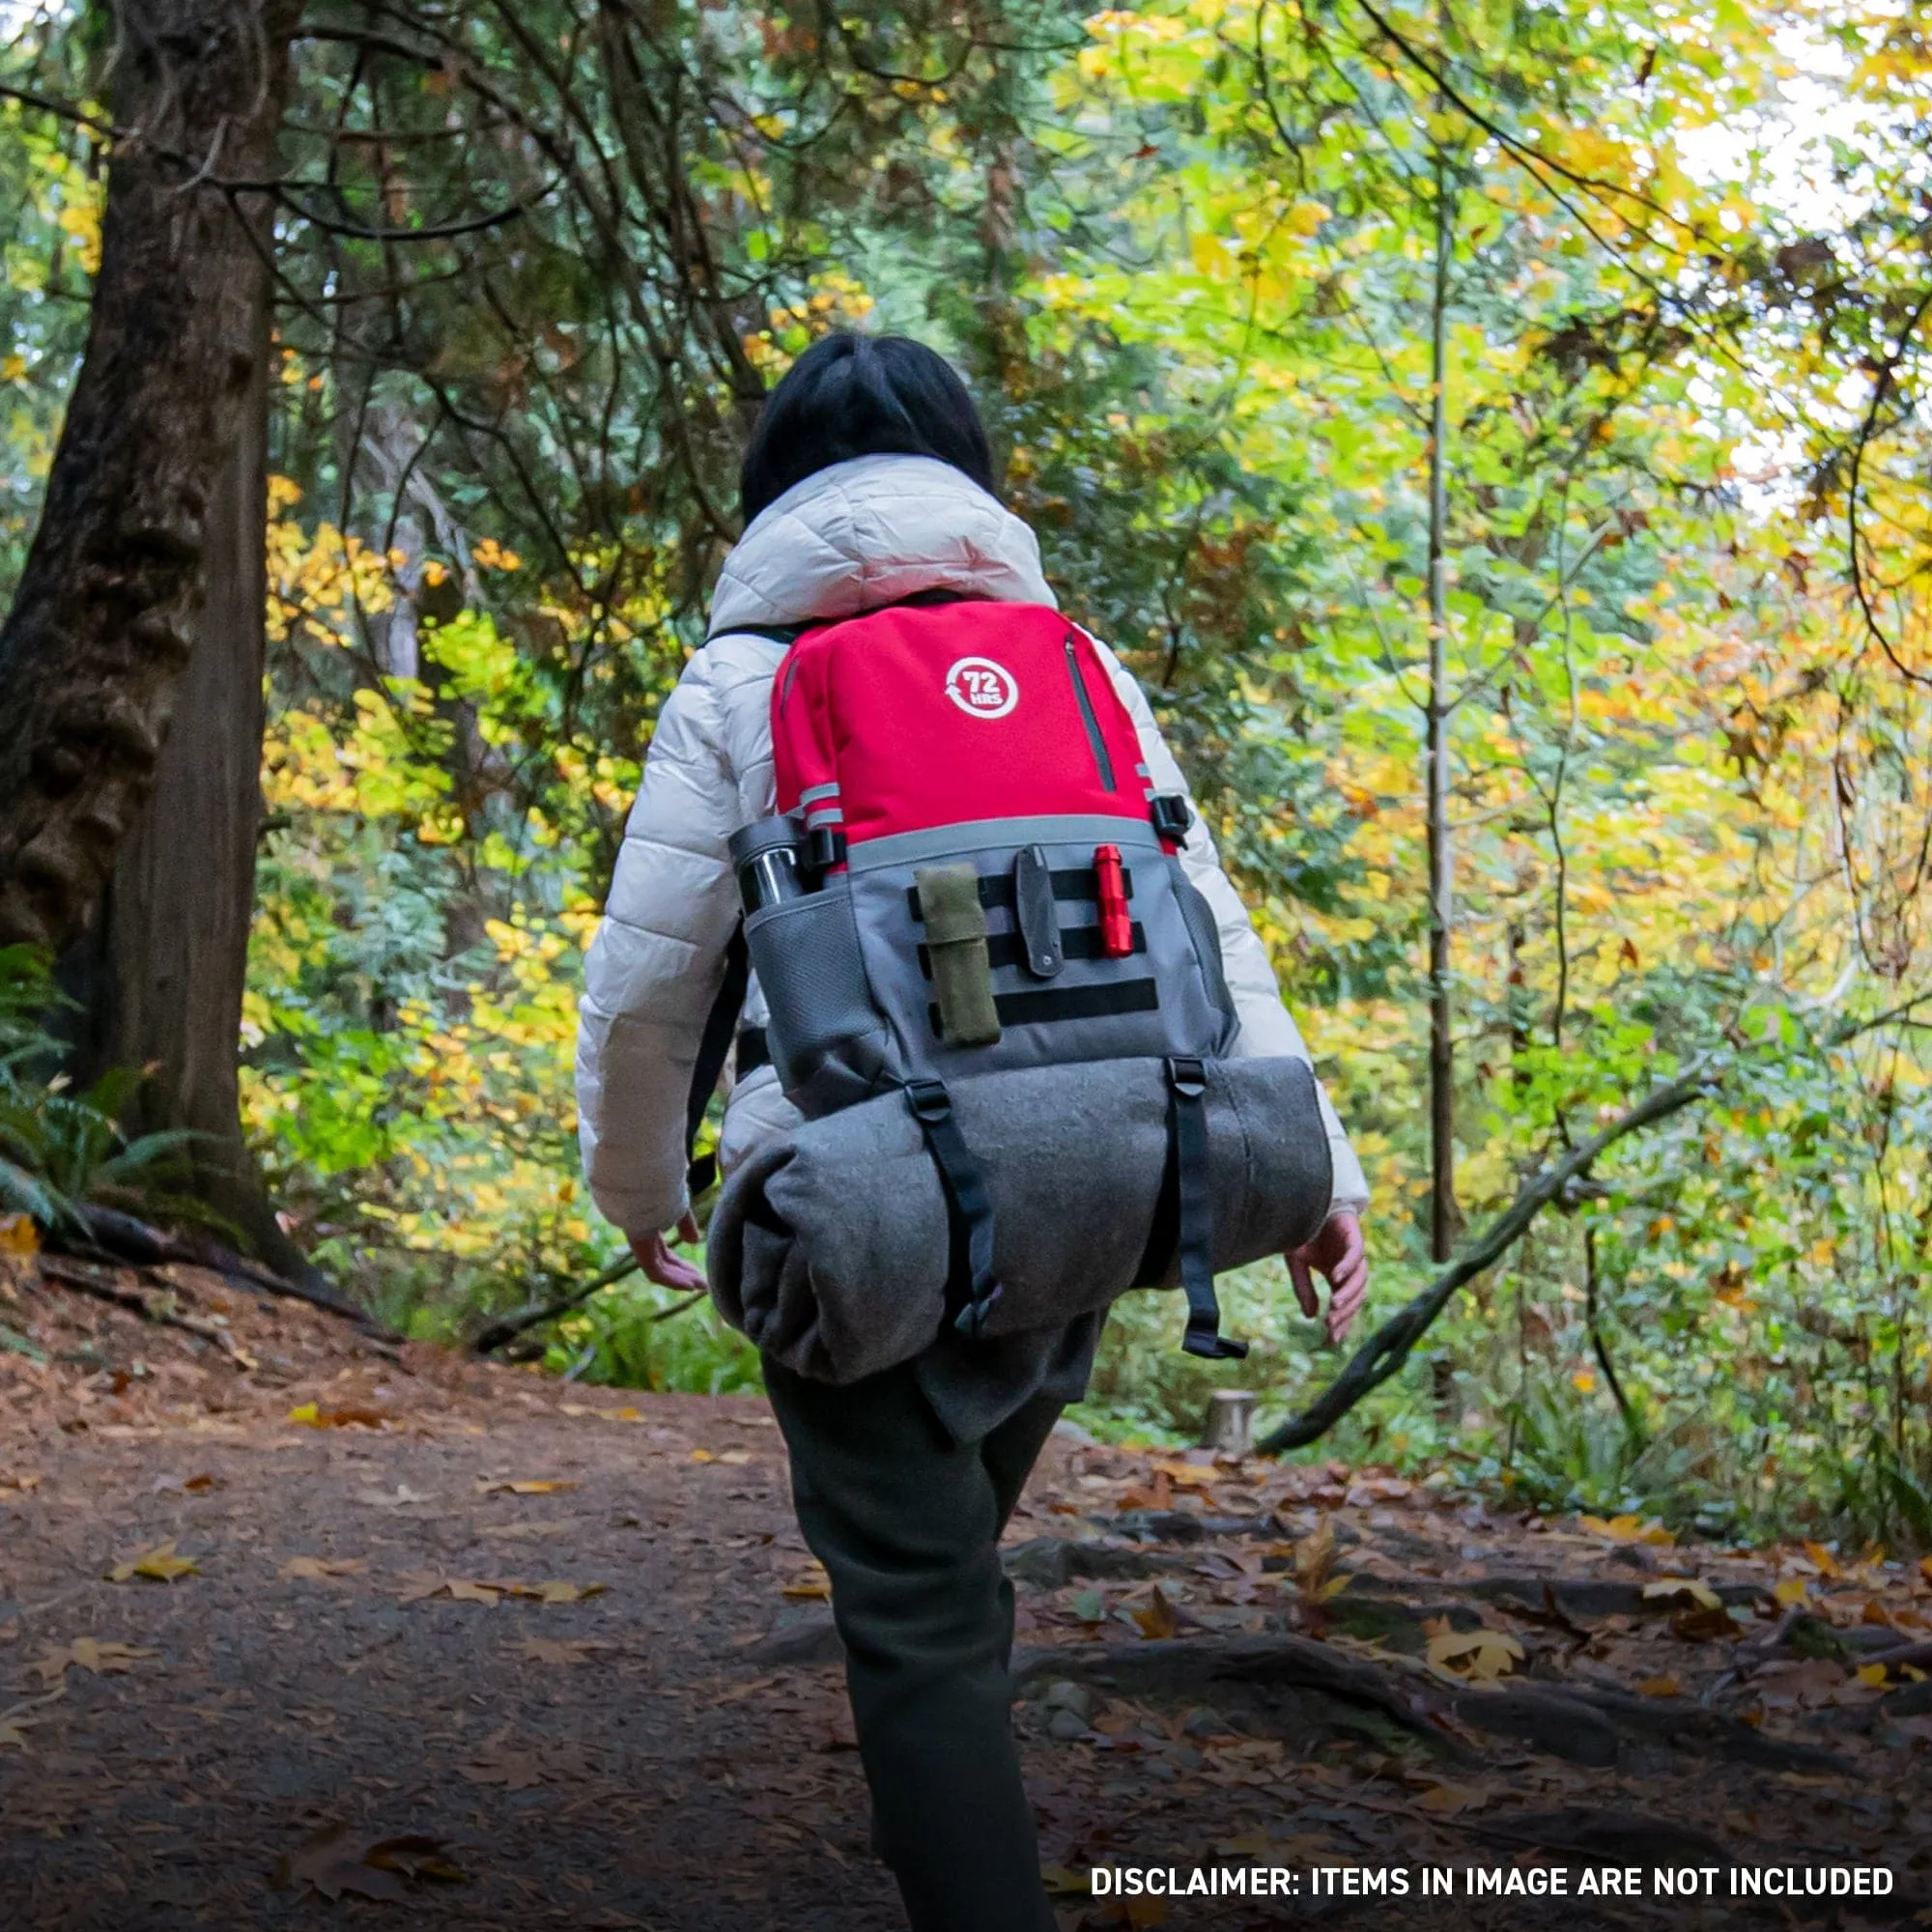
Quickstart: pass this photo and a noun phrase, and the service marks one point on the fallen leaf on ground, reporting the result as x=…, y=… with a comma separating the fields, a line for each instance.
x=1668, y=1589
x=1925, y=1568
x=558, y=1592
x=813, y=1583
x=421, y=1585
x=1791, y=1591
x=1155, y=1618
x=526, y=1532
x=1484, y=1654
x=19, y=1238
x=400, y=1498
x=627, y=1415
x=23, y=1484
x=1872, y=1675
x=1659, y=1686
x=563, y=1650
x=312, y=1416
x=158, y=1565
x=85, y=1653
x=521, y=1767
x=1450, y=1799
x=1826, y=1564
x=1705, y=1625
x=320, y=1568
x=1189, y=1475
x=545, y=1488
x=1630, y=1529
x=188, y=1485
x=335, y=1861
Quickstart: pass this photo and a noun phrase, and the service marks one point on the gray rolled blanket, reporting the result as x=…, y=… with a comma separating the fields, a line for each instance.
x=829, y=1247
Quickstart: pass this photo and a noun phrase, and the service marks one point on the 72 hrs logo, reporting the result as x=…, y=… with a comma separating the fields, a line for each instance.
x=982, y=687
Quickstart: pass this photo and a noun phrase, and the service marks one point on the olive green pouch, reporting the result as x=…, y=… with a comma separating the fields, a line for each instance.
x=955, y=940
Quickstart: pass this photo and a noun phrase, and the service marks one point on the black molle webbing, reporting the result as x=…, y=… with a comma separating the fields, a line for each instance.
x=1009, y=949
x=972, y=1289
x=1070, y=1002
x=996, y=889
x=1187, y=1122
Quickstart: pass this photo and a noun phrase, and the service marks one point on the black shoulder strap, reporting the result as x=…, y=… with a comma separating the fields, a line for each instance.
x=713, y=1044
x=787, y=635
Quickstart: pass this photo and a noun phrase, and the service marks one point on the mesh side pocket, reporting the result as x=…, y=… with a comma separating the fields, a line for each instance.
x=828, y=1040
x=1197, y=915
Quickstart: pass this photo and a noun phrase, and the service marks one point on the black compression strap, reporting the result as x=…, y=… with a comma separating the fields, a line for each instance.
x=971, y=1291
x=1187, y=1122
x=713, y=1045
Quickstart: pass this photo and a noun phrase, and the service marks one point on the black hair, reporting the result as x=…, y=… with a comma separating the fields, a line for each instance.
x=862, y=395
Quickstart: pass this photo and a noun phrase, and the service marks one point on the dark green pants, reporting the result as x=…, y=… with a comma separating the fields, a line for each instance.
x=908, y=1525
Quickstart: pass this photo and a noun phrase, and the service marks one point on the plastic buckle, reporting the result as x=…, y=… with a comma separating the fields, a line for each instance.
x=1187, y=1076
x=929, y=1101
x=824, y=848
x=1169, y=815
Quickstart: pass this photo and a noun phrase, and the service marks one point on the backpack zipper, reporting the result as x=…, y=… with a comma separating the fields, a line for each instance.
x=1101, y=761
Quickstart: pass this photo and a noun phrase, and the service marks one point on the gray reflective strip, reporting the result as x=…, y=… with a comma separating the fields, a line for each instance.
x=824, y=815
x=812, y=793
x=1144, y=771
x=942, y=841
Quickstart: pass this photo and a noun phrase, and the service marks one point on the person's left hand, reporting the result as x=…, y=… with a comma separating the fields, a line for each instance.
x=666, y=1269
x=1337, y=1253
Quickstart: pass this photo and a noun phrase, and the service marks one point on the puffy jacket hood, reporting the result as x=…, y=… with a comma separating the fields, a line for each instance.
x=870, y=532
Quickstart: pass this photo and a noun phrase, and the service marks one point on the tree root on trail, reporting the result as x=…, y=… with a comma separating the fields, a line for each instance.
x=1577, y=1723
x=1264, y=1663
x=150, y=1304
x=115, y=1236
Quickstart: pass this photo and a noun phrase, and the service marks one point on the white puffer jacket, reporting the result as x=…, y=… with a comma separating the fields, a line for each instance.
x=847, y=539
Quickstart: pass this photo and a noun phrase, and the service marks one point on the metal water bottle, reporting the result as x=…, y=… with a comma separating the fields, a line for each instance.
x=769, y=856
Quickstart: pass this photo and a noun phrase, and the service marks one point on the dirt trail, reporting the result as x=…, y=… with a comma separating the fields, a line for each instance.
x=568, y=1645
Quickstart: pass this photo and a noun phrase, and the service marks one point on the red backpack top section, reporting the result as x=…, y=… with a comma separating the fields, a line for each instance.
x=926, y=715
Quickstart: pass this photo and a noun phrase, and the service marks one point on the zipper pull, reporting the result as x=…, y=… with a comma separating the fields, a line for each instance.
x=1116, y=926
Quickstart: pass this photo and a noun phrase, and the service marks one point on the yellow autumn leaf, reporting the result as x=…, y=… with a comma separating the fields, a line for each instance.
x=1630, y=1529
x=1791, y=1591
x=1483, y=1654
x=1189, y=1475
x=1826, y=1564
x=1667, y=1589
x=1659, y=1686
x=158, y=1565
x=544, y=1488
x=19, y=1238
x=1450, y=1799
x=1872, y=1676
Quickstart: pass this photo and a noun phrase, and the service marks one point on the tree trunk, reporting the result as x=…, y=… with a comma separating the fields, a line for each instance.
x=160, y=971
x=94, y=650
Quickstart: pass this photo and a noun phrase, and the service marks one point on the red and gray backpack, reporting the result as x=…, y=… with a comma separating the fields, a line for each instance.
x=971, y=872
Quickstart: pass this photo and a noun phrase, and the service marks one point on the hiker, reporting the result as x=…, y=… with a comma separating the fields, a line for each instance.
x=870, y=485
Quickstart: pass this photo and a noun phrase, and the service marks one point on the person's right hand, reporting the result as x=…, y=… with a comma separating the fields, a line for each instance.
x=660, y=1265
